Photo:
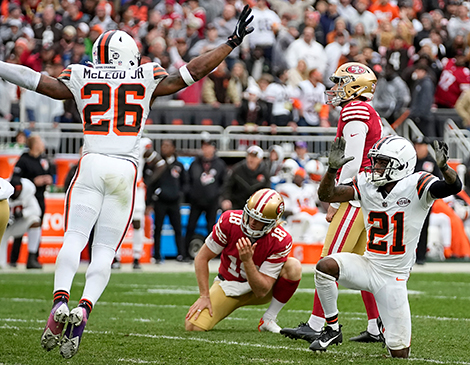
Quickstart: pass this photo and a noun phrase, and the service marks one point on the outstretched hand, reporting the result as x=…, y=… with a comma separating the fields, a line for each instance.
x=336, y=157
x=442, y=153
x=241, y=29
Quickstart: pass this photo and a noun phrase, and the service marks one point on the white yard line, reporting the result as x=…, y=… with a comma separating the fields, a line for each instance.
x=226, y=342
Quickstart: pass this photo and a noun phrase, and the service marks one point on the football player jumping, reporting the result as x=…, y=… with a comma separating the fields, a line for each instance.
x=254, y=267
x=394, y=202
x=114, y=98
x=360, y=125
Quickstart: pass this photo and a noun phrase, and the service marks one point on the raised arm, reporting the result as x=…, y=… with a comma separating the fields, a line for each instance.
x=29, y=79
x=328, y=192
x=451, y=184
x=202, y=65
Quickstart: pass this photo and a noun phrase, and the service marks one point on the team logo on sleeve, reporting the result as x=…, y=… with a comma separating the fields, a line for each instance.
x=403, y=202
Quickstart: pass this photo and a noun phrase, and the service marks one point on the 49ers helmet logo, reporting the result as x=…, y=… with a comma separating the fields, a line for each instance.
x=356, y=69
x=280, y=208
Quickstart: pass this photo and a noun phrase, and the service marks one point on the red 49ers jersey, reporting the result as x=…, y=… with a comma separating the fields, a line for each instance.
x=113, y=104
x=453, y=81
x=270, y=254
x=360, y=111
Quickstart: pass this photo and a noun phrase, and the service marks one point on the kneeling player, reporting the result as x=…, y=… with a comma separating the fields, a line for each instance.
x=254, y=267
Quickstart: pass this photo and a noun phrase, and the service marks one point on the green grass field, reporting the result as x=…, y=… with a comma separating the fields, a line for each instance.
x=140, y=320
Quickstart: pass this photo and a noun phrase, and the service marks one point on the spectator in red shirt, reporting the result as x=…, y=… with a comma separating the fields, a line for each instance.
x=455, y=79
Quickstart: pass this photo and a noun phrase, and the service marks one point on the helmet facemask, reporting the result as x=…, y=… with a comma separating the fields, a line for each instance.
x=337, y=96
x=400, y=156
x=268, y=223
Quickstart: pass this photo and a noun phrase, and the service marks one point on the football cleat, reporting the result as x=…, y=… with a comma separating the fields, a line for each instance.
x=55, y=325
x=268, y=325
x=366, y=336
x=327, y=337
x=116, y=265
x=73, y=332
x=136, y=265
x=303, y=332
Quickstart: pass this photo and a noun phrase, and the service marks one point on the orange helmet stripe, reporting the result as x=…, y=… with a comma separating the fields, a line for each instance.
x=103, y=47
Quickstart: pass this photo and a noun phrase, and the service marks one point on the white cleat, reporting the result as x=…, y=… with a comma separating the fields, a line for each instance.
x=73, y=332
x=55, y=325
x=268, y=325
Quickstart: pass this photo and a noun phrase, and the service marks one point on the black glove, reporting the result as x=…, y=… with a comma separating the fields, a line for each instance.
x=442, y=154
x=336, y=157
x=241, y=29
x=18, y=212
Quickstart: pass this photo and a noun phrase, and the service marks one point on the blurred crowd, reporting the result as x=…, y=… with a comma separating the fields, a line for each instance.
x=418, y=49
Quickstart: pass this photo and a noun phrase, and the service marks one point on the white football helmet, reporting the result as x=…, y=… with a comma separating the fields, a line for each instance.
x=352, y=79
x=315, y=170
x=289, y=166
x=116, y=48
x=267, y=206
x=401, y=157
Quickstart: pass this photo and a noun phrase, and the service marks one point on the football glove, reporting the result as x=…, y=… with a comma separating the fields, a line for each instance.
x=336, y=157
x=442, y=154
x=241, y=29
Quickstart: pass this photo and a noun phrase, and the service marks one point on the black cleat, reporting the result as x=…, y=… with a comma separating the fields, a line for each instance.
x=327, y=337
x=136, y=265
x=367, y=337
x=303, y=332
x=116, y=265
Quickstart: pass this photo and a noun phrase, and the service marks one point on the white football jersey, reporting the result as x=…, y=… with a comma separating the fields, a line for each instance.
x=312, y=99
x=394, y=222
x=296, y=197
x=26, y=200
x=114, y=104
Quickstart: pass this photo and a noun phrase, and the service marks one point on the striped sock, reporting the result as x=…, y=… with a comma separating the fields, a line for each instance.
x=333, y=322
x=61, y=296
x=85, y=303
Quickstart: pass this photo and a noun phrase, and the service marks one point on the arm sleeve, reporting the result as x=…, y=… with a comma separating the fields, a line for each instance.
x=440, y=189
x=355, y=135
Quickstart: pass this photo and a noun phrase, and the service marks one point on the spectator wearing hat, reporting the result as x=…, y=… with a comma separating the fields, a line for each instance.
x=206, y=178
x=312, y=20
x=210, y=42
x=246, y=177
x=364, y=16
x=48, y=28
x=11, y=31
x=300, y=154
x=102, y=18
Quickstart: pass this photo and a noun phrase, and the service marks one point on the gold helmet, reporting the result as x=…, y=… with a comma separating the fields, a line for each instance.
x=267, y=206
x=353, y=79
